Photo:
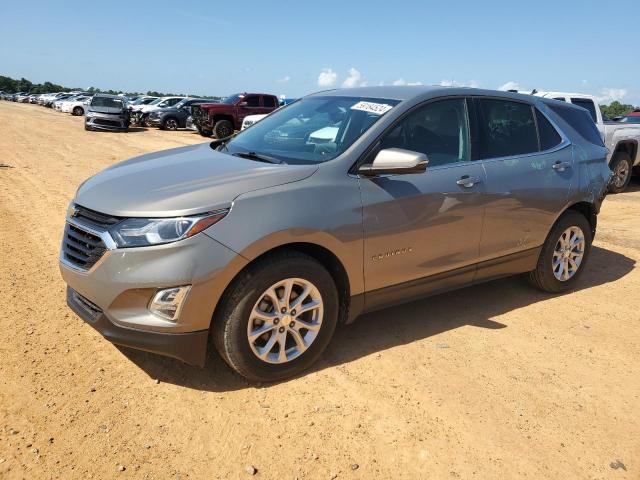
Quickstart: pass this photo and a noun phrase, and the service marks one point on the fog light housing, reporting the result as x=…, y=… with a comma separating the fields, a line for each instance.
x=168, y=302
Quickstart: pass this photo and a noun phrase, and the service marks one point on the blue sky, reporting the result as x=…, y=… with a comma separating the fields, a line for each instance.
x=295, y=48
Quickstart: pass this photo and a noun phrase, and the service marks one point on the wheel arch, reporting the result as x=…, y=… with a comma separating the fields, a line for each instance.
x=323, y=255
x=588, y=210
x=221, y=116
x=629, y=147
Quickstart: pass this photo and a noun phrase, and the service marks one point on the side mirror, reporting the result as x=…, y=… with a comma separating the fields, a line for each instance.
x=243, y=104
x=395, y=161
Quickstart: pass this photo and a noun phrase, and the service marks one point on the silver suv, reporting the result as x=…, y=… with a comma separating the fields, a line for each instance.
x=343, y=202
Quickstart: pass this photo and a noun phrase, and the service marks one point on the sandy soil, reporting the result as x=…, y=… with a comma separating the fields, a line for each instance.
x=494, y=381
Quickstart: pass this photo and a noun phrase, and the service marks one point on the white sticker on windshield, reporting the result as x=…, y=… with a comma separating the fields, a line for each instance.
x=370, y=107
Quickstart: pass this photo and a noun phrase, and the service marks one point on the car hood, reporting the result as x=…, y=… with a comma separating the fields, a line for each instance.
x=181, y=181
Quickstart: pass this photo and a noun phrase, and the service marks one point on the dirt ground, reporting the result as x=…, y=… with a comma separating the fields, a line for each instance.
x=494, y=381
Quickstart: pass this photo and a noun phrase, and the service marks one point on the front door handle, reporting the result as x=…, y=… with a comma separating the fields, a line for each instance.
x=561, y=166
x=467, y=182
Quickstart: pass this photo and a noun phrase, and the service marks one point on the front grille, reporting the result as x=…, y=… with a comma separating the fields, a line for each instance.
x=95, y=219
x=198, y=113
x=110, y=123
x=81, y=248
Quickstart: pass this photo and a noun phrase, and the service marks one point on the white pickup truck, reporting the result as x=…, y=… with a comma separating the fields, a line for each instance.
x=621, y=139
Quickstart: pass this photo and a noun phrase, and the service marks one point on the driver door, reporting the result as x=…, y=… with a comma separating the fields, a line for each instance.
x=250, y=106
x=422, y=230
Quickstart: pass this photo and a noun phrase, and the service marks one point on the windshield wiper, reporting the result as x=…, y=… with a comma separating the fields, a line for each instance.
x=257, y=156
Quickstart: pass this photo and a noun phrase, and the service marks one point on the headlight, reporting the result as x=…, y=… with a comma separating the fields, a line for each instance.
x=141, y=232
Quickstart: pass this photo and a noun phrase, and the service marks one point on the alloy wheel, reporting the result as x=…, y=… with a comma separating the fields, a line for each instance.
x=171, y=124
x=285, y=320
x=568, y=253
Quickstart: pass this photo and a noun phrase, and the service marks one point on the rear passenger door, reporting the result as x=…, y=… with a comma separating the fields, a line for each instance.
x=529, y=169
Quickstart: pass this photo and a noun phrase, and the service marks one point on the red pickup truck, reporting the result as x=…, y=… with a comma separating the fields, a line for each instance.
x=221, y=119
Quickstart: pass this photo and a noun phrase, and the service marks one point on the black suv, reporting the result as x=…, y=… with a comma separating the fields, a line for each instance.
x=172, y=118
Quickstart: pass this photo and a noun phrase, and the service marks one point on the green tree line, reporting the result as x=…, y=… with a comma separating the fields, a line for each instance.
x=616, y=109
x=12, y=85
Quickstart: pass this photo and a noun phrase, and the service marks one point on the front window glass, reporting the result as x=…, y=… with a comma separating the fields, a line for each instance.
x=509, y=129
x=440, y=130
x=106, y=102
x=312, y=130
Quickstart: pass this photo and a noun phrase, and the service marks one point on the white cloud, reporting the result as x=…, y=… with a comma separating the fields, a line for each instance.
x=510, y=86
x=454, y=83
x=608, y=95
x=327, y=78
x=355, y=79
x=284, y=79
x=401, y=81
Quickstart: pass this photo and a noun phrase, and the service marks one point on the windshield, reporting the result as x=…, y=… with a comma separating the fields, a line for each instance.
x=181, y=103
x=156, y=101
x=231, y=99
x=312, y=130
x=107, y=102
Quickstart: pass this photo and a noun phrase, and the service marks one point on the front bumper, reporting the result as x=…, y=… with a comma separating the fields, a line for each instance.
x=108, y=122
x=122, y=282
x=189, y=347
x=154, y=121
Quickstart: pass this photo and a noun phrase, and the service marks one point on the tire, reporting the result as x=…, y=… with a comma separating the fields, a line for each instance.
x=223, y=129
x=233, y=318
x=145, y=121
x=622, y=167
x=545, y=276
x=170, y=124
x=205, y=132
x=77, y=111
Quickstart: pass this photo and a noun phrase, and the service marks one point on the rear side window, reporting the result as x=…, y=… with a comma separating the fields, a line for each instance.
x=581, y=122
x=549, y=136
x=253, y=101
x=588, y=105
x=509, y=129
x=269, y=102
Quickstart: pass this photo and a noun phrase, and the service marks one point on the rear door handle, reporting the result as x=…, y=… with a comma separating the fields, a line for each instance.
x=561, y=166
x=467, y=182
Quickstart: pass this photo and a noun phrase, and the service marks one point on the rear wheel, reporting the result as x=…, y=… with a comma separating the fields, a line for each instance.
x=277, y=317
x=77, y=111
x=223, y=129
x=621, y=166
x=564, y=254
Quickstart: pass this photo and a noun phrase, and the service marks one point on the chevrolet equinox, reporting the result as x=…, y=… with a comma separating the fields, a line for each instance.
x=343, y=202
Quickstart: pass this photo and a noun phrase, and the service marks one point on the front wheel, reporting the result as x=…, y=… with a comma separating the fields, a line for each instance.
x=223, y=129
x=77, y=111
x=170, y=124
x=277, y=317
x=564, y=254
x=621, y=166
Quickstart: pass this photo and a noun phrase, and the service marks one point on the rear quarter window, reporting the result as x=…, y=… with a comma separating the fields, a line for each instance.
x=549, y=136
x=581, y=122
